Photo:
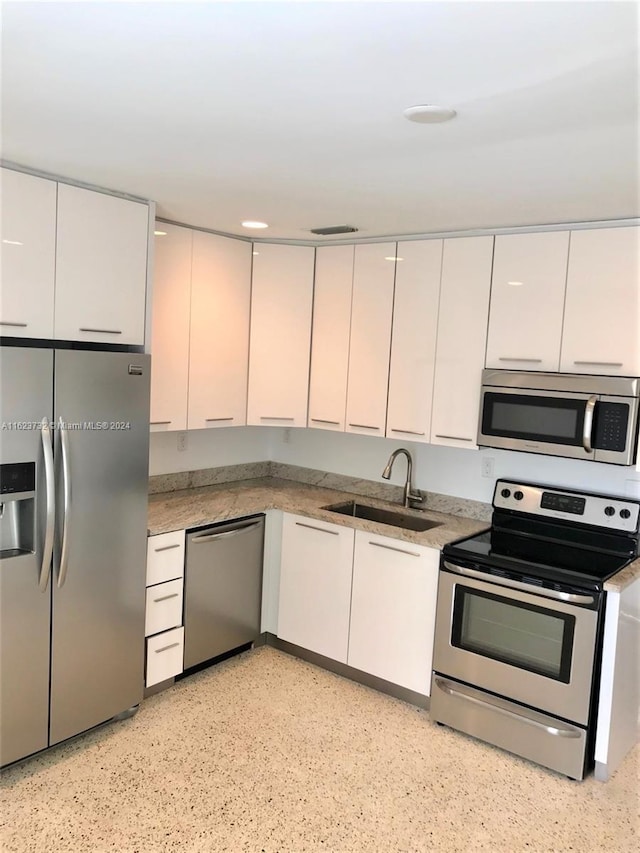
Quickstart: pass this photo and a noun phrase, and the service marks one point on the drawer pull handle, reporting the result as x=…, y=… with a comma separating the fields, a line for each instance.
x=364, y=426
x=166, y=597
x=274, y=418
x=454, y=437
x=166, y=548
x=214, y=420
x=407, y=431
x=166, y=648
x=600, y=363
x=158, y=423
x=102, y=331
x=525, y=360
x=323, y=421
x=16, y=325
x=319, y=529
x=391, y=548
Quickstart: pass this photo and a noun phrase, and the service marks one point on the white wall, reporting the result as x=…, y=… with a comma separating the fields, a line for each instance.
x=446, y=470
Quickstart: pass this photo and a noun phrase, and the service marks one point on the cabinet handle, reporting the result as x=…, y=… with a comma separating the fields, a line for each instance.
x=103, y=331
x=391, y=548
x=319, y=529
x=529, y=360
x=271, y=418
x=158, y=423
x=407, y=431
x=600, y=363
x=364, y=426
x=213, y=420
x=454, y=437
x=16, y=325
x=166, y=598
x=166, y=548
x=166, y=648
x=322, y=421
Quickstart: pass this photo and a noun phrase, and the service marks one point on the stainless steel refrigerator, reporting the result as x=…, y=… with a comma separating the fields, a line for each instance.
x=74, y=440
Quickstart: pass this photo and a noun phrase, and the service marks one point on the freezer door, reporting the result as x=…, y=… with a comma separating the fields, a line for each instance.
x=102, y=454
x=26, y=383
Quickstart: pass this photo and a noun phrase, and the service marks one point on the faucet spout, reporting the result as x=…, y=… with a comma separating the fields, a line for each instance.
x=410, y=494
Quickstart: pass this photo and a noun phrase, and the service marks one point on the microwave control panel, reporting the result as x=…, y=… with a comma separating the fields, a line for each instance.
x=611, y=426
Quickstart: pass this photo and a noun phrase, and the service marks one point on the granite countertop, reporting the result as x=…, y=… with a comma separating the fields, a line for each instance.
x=194, y=507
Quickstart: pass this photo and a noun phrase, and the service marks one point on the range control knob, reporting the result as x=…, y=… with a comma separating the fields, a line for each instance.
x=625, y=513
x=506, y=493
x=518, y=495
x=609, y=510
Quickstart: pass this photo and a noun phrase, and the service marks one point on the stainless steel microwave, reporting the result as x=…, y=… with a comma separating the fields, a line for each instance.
x=561, y=414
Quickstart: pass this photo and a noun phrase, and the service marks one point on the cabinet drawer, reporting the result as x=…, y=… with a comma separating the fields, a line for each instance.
x=164, y=656
x=164, y=607
x=165, y=557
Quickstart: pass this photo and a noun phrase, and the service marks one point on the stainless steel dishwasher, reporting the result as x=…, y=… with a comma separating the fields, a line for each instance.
x=223, y=588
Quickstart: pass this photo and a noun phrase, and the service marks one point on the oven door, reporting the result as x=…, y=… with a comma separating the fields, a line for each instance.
x=519, y=644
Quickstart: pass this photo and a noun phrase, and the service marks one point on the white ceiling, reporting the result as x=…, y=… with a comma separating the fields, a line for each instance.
x=292, y=112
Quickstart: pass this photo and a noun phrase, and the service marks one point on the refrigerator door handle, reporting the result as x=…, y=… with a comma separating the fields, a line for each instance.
x=50, y=499
x=66, y=501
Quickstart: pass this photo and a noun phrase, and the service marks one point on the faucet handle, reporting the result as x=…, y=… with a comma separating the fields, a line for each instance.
x=417, y=499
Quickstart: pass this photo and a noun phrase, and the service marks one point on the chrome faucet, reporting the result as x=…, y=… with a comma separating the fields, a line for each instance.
x=411, y=495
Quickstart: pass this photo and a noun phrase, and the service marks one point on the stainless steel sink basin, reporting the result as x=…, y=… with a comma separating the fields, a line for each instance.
x=382, y=516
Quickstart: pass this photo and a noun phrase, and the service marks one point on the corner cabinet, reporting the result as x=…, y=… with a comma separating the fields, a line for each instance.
x=462, y=337
x=280, y=337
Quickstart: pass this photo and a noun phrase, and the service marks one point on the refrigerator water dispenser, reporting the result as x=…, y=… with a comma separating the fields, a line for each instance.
x=17, y=509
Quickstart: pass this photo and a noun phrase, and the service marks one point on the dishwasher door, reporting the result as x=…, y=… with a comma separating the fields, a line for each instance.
x=223, y=588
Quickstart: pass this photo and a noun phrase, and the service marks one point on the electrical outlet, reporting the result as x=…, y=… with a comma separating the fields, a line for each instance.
x=182, y=441
x=286, y=436
x=487, y=466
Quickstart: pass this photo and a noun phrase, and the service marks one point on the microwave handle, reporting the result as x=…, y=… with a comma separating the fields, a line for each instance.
x=587, y=427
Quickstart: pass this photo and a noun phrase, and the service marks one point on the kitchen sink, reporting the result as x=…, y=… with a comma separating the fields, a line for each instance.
x=382, y=516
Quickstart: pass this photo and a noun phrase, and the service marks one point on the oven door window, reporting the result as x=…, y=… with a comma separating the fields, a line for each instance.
x=533, y=638
x=558, y=420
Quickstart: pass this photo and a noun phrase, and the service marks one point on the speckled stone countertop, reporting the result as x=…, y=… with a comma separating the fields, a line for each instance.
x=194, y=507
x=625, y=578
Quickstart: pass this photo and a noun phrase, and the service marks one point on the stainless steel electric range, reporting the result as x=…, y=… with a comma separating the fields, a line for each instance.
x=520, y=618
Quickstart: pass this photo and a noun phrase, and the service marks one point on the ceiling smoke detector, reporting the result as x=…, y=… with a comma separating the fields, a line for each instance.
x=334, y=229
x=429, y=113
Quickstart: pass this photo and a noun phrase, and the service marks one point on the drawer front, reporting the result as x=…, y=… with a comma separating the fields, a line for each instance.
x=165, y=557
x=164, y=607
x=164, y=656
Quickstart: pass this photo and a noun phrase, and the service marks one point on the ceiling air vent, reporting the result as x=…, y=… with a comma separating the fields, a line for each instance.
x=334, y=229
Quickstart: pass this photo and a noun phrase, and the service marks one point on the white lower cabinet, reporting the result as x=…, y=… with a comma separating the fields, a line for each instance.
x=315, y=585
x=393, y=610
x=359, y=598
x=164, y=606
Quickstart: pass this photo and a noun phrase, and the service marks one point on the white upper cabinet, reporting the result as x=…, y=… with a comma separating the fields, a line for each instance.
x=220, y=308
x=369, y=348
x=170, y=328
x=101, y=267
x=28, y=252
x=280, y=337
x=415, y=323
x=527, y=300
x=330, y=337
x=602, y=312
x=462, y=337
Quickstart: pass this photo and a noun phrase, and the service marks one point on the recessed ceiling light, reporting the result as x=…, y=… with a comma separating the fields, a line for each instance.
x=429, y=113
x=251, y=224
x=160, y=233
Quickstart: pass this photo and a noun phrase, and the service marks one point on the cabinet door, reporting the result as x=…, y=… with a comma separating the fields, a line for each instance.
x=170, y=328
x=393, y=610
x=332, y=291
x=220, y=306
x=462, y=336
x=601, y=331
x=315, y=585
x=101, y=267
x=280, y=338
x=415, y=323
x=28, y=229
x=527, y=301
x=369, y=347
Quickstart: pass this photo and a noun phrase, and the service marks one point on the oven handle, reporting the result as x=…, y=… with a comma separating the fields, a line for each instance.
x=522, y=717
x=571, y=597
x=587, y=427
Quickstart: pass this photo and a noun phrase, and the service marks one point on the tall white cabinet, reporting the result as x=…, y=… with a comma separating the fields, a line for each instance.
x=369, y=348
x=280, y=339
x=462, y=337
x=413, y=347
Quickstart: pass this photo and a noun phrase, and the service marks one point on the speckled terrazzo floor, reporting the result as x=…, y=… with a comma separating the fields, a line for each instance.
x=267, y=753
